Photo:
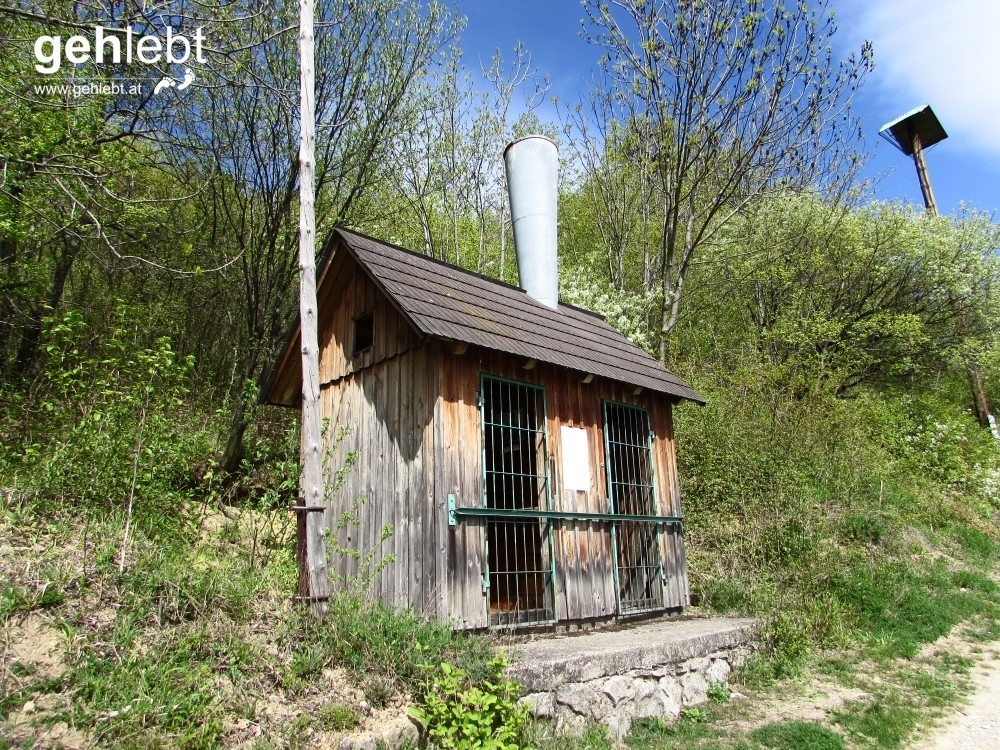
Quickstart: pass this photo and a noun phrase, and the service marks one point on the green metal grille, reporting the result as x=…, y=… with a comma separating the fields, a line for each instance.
x=629, y=470
x=519, y=563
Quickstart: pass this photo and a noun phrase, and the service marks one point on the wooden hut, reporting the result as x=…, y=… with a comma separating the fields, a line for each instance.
x=522, y=456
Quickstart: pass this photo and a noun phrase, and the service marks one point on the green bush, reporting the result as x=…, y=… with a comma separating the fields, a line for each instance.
x=790, y=641
x=462, y=714
x=724, y=595
x=106, y=427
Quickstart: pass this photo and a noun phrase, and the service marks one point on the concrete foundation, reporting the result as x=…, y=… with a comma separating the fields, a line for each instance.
x=614, y=676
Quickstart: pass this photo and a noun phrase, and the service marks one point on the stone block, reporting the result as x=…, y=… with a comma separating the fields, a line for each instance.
x=619, y=726
x=408, y=733
x=541, y=705
x=697, y=664
x=718, y=672
x=650, y=708
x=569, y=723
x=619, y=688
x=694, y=688
x=644, y=689
x=670, y=693
x=579, y=697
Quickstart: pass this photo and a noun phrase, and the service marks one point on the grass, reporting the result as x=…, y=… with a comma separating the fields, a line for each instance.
x=15, y=599
x=797, y=735
x=337, y=716
x=898, y=608
x=199, y=635
x=196, y=639
x=879, y=724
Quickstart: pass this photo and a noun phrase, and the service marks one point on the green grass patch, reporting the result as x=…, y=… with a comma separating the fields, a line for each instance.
x=880, y=724
x=382, y=648
x=693, y=728
x=337, y=717
x=595, y=738
x=14, y=598
x=168, y=692
x=797, y=735
x=975, y=542
x=898, y=608
x=864, y=528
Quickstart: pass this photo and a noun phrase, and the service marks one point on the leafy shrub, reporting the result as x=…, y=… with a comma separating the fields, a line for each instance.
x=718, y=692
x=104, y=427
x=461, y=714
x=724, y=594
x=790, y=641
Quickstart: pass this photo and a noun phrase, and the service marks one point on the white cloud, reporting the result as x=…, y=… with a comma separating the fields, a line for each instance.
x=946, y=54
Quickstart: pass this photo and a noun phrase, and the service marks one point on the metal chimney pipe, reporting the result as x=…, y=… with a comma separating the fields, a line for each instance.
x=532, y=168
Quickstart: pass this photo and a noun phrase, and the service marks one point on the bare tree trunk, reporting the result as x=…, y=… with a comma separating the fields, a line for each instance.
x=980, y=404
x=313, y=499
x=27, y=352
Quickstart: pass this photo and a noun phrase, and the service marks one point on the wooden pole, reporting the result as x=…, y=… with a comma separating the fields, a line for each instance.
x=980, y=404
x=312, y=494
x=925, y=181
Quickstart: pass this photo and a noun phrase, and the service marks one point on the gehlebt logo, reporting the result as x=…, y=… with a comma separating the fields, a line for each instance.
x=117, y=47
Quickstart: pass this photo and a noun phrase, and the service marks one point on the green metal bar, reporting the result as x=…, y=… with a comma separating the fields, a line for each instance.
x=485, y=560
x=512, y=418
x=608, y=475
x=631, y=480
x=560, y=515
x=549, y=525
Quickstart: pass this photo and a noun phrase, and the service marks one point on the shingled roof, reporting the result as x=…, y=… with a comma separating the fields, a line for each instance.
x=444, y=301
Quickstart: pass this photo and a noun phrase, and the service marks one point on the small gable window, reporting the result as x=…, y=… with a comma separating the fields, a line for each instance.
x=364, y=333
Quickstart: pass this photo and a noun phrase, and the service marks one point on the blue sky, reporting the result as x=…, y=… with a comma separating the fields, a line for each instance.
x=926, y=52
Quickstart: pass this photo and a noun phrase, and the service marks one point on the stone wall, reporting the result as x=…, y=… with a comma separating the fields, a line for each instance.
x=616, y=686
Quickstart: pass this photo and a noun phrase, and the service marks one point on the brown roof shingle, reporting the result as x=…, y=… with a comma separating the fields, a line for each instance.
x=442, y=300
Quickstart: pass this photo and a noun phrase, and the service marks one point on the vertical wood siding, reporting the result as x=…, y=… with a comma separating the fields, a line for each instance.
x=407, y=408
x=380, y=405
x=585, y=576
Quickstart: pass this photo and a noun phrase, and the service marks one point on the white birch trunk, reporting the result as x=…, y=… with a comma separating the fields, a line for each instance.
x=312, y=492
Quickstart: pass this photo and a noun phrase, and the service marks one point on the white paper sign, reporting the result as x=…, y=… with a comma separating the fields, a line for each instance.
x=576, y=459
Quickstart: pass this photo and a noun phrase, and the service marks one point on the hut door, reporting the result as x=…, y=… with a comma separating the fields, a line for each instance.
x=519, y=561
x=638, y=569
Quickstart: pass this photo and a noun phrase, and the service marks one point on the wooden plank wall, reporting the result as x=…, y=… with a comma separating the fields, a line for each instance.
x=385, y=400
x=357, y=295
x=458, y=471
x=585, y=576
x=668, y=495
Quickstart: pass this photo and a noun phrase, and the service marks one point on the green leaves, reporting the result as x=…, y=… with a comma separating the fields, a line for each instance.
x=463, y=714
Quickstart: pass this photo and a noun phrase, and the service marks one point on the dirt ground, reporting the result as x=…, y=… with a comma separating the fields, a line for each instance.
x=976, y=724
